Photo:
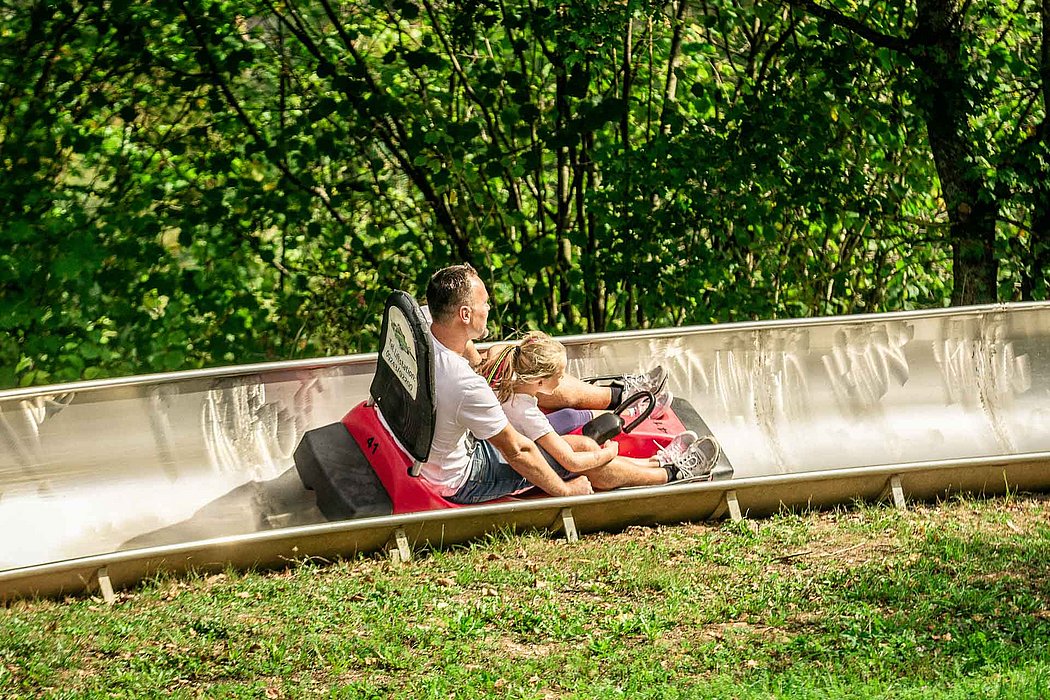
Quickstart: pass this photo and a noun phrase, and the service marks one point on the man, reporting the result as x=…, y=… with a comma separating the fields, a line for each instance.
x=476, y=455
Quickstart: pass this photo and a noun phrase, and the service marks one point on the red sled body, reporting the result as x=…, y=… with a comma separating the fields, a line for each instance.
x=364, y=465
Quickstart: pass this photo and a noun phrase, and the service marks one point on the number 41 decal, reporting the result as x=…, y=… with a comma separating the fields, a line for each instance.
x=373, y=444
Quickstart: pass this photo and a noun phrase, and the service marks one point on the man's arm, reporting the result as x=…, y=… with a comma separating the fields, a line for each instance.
x=525, y=458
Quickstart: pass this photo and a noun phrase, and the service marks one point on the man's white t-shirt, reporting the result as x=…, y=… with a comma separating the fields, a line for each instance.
x=464, y=402
x=523, y=412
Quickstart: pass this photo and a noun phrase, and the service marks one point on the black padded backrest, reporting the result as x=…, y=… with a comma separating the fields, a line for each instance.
x=403, y=387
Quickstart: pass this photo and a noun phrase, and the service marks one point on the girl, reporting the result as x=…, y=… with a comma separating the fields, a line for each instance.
x=535, y=366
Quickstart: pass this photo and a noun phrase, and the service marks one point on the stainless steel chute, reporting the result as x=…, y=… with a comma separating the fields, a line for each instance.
x=192, y=468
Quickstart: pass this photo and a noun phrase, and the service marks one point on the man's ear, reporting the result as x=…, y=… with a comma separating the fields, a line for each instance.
x=464, y=314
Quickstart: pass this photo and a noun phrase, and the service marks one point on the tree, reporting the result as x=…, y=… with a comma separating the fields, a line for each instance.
x=214, y=181
x=953, y=52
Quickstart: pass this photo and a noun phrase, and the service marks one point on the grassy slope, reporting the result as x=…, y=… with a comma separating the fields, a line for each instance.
x=946, y=601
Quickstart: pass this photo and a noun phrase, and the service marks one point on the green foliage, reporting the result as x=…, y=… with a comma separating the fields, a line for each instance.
x=218, y=181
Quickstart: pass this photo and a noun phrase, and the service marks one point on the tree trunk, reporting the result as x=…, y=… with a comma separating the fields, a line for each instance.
x=972, y=215
x=972, y=208
x=936, y=46
x=671, y=81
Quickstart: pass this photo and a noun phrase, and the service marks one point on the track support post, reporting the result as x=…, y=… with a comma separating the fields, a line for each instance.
x=569, y=525
x=106, y=586
x=729, y=504
x=895, y=491
x=734, y=506
x=400, y=552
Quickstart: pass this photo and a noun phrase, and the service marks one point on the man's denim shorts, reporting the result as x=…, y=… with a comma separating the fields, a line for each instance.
x=491, y=477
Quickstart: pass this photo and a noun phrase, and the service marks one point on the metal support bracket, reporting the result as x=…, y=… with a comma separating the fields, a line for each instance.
x=400, y=552
x=734, y=506
x=106, y=586
x=728, y=504
x=896, y=491
x=569, y=525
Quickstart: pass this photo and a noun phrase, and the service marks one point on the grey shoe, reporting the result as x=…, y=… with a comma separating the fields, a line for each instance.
x=698, y=459
x=669, y=455
x=663, y=400
x=655, y=380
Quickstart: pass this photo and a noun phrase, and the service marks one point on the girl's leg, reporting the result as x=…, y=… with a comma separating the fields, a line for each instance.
x=565, y=420
x=620, y=471
x=576, y=393
x=641, y=462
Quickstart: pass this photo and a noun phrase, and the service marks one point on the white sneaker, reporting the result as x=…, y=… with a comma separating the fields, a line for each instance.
x=668, y=456
x=662, y=401
x=654, y=380
x=699, y=458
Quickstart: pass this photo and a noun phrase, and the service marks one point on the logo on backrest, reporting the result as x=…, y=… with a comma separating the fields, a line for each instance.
x=399, y=351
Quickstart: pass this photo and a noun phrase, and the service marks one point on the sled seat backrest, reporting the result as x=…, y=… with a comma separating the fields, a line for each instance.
x=403, y=387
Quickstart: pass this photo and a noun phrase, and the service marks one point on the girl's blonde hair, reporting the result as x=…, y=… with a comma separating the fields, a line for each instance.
x=537, y=356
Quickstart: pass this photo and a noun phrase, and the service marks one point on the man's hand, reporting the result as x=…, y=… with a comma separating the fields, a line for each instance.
x=525, y=458
x=580, y=486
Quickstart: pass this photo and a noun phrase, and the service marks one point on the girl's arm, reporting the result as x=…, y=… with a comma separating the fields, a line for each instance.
x=557, y=447
x=478, y=359
x=474, y=356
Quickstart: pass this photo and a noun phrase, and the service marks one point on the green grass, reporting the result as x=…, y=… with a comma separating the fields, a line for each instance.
x=942, y=601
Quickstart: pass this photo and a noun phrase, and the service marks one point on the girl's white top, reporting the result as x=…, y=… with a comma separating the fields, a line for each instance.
x=524, y=414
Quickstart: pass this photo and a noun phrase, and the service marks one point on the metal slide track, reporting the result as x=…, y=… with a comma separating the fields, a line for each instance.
x=103, y=483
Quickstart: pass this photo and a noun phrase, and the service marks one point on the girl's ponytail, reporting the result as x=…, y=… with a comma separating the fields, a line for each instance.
x=537, y=356
x=499, y=372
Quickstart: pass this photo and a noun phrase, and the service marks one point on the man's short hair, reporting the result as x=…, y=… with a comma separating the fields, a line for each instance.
x=449, y=289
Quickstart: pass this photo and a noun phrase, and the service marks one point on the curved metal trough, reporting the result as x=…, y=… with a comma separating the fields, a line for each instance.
x=103, y=483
